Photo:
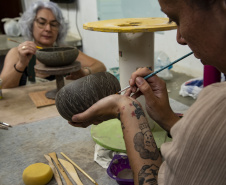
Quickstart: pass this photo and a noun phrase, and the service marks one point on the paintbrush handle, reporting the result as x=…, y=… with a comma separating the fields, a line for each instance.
x=60, y=168
x=154, y=73
x=20, y=43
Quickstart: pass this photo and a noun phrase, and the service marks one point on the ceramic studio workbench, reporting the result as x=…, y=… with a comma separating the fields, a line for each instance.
x=39, y=131
x=16, y=107
x=23, y=145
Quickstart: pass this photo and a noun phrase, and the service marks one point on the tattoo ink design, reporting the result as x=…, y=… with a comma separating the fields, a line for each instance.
x=122, y=125
x=148, y=175
x=138, y=111
x=144, y=143
x=119, y=116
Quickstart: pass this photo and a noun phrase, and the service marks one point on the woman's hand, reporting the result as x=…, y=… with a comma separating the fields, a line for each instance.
x=78, y=74
x=156, y=97
x=105, y=109
x=26, y=50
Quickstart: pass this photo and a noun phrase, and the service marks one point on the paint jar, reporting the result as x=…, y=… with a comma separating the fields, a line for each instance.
x=1, y=89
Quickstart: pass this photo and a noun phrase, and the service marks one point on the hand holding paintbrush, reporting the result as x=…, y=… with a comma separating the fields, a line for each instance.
x=20, y=43
x=154, y=73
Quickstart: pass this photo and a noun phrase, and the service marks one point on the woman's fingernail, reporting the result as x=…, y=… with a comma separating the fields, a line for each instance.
x=139, y=81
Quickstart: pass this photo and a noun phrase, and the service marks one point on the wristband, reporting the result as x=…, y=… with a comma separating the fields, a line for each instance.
x=17, y=69
x=90, y=72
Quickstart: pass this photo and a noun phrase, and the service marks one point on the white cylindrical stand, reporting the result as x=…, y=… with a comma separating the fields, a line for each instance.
x=135, y=50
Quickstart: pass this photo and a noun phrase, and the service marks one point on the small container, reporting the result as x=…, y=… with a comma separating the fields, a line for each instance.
x=118, y=164
x=1, y=89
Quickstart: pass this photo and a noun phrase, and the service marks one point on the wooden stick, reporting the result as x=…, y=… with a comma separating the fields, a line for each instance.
x=55, y=172
x=71, y=170
x=60, y=168
x=78, y=168
x=20, y=43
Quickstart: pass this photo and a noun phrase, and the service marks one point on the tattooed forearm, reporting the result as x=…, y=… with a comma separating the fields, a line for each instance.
x=145, y=145
x=148, y=175
x=119, y=116
x=122, y=125
x=138, y=111
x=143, y=126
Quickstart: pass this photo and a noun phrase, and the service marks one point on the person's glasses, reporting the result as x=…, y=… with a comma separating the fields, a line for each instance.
x=42, y=23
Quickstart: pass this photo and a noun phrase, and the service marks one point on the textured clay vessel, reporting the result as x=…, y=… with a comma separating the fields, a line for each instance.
x=57, y=56
x=79, y=95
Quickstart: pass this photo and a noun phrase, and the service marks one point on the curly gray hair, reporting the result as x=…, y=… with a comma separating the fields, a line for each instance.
x=27, y=19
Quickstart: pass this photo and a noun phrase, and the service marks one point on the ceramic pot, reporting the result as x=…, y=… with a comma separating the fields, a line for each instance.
x=79, y=95
x=57, y=56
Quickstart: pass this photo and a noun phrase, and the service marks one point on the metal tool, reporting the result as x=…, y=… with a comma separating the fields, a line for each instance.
x=154, y=73
x=4, y=125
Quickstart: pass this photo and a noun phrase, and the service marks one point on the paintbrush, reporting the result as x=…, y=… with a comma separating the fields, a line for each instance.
x=154, y=73
x=20, y=43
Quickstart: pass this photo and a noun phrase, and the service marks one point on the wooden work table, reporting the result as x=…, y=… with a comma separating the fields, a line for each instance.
x=45, y=132
x=16, y=107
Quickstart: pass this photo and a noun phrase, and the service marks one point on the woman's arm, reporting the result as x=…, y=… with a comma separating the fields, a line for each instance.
x=89, y=65
x=10, y=77
x=144, y=156
x=15, y=63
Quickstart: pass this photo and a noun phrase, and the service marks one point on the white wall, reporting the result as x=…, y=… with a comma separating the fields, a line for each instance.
x=100, y=45
x=167, y=42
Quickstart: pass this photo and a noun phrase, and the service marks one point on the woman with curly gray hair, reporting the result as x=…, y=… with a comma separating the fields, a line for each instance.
x=42, y=25
x=27, y=20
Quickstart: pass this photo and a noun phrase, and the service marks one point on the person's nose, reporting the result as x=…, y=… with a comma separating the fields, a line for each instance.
x=48, y=27
x=180, y=39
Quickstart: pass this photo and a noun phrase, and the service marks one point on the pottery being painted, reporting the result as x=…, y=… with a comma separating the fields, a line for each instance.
x=57, y=56
x=79, y=95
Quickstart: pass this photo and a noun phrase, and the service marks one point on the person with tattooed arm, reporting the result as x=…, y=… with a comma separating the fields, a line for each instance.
x=196, y=154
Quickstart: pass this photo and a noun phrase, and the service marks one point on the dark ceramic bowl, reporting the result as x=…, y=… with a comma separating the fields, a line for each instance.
x=57, y=56
x=118, y=164
x=79, y=95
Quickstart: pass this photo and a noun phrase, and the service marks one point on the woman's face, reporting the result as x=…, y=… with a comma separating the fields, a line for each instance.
x=45, y=28
x=202, y=30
